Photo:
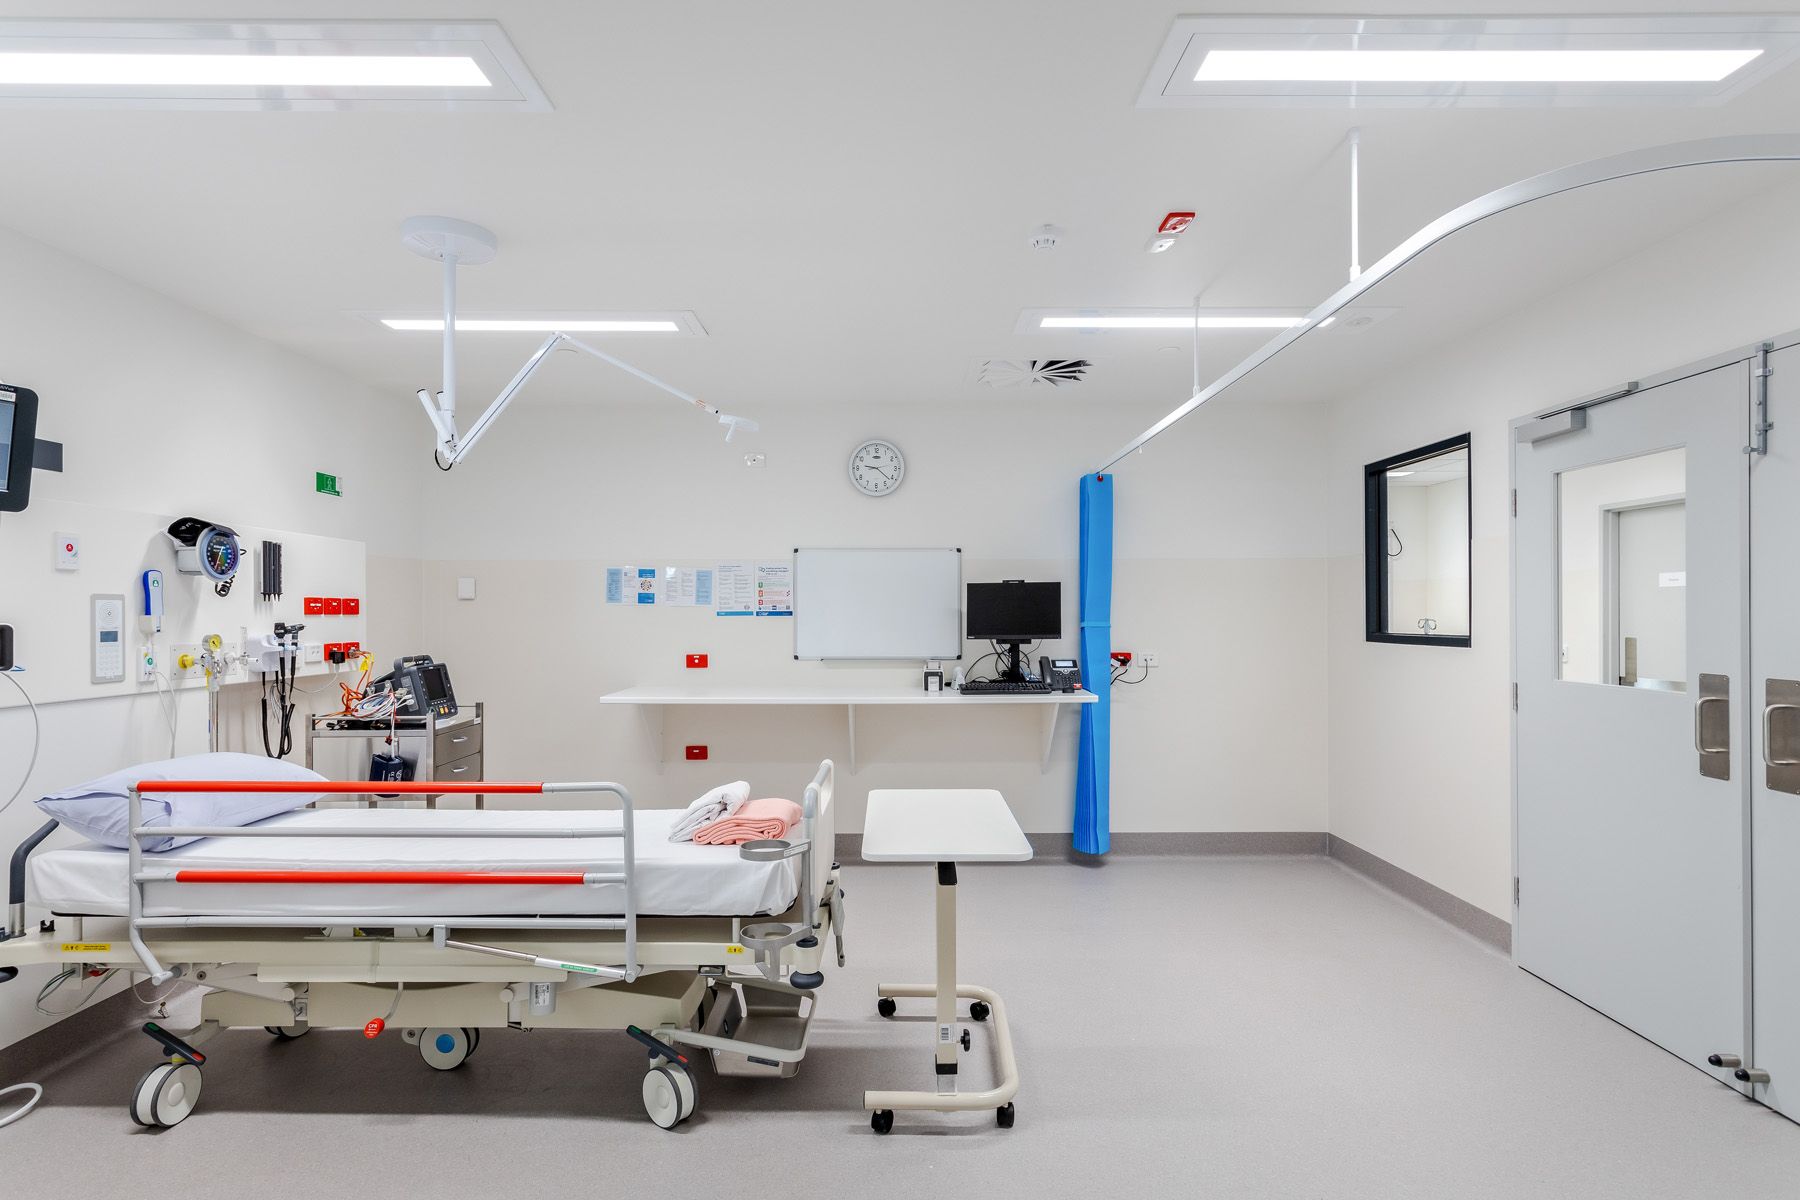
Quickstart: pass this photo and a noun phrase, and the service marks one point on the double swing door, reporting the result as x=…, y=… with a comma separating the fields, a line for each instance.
x=1657, y=660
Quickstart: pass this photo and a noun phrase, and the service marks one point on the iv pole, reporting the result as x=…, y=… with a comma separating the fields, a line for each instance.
x=455, y=243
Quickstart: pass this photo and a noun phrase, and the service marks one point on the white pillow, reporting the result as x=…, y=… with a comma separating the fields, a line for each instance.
x=100, y=808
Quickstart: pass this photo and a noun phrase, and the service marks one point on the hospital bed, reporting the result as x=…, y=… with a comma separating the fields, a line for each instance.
x=446, y=923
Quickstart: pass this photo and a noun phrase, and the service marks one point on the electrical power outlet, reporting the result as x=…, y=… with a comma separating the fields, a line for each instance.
x=312, y=652
x=1148, y=658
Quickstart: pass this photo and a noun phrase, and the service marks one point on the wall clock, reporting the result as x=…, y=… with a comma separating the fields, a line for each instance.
x=877, y=467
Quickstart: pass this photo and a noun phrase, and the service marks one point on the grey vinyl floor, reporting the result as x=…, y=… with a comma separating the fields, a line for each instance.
x=1238, y=1027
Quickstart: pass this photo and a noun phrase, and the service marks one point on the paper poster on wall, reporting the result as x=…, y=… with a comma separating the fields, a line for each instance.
x=734, y=589
x=687, y=587
x=615, y=584
x=647, y=585
x=775, y=589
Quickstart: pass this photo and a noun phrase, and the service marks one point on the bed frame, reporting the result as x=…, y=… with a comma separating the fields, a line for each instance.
x=743, y=992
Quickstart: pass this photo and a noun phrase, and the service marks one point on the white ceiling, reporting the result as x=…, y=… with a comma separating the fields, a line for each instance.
x=842, y=193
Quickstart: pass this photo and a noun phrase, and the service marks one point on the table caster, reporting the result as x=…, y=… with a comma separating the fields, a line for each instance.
x=669, y=1094
x=288, y=1033
x=1003, y=1116
x=886, y=1006
x=166, y=1095
x=979, y=1011
x=882, y=1120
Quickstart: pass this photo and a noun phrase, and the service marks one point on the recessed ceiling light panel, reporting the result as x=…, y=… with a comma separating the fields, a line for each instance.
x=1181, y=320
x=1466, y=61
x=268, y=65
x=679, y=323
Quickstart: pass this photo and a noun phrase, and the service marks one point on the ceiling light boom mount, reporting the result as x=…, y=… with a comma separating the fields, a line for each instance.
x=460, y=243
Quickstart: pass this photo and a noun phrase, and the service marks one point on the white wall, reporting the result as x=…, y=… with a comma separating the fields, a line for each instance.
x=1420, y=757
x=1219, y=571
x=159, y=409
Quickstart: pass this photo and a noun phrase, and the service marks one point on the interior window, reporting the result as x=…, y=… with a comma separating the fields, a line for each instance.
x=1416, y=509
x=1622, y=572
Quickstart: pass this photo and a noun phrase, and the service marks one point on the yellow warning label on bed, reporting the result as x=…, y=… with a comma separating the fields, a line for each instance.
x=734, y=949
x=87, y=947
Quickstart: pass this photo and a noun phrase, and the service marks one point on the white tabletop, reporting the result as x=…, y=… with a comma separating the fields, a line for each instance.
x=873, y=694
x=967, y=825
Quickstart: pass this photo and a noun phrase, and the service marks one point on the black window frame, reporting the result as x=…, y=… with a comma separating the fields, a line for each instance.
x=1375, y=526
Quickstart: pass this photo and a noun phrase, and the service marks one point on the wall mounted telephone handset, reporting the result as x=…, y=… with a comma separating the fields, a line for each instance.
x=1062, y=674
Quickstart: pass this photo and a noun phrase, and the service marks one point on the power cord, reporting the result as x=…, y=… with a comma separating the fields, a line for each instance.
x=37, y=741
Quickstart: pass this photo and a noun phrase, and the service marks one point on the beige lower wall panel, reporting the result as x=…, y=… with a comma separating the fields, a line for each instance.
x=1230, y=734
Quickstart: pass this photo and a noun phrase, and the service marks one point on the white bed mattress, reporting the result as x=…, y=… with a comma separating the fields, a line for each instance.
x=674, y=879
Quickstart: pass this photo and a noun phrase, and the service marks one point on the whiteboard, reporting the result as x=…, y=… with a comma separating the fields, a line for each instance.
x=877, y=604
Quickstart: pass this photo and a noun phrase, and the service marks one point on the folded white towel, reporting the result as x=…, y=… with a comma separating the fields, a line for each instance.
x=716, y=805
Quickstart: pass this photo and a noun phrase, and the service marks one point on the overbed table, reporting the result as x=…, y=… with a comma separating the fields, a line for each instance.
x=946, y=826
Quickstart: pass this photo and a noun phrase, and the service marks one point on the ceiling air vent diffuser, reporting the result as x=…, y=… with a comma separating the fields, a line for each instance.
x=1032, y=372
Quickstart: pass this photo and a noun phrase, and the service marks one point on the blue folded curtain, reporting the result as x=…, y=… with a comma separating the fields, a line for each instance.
x=1093, y=767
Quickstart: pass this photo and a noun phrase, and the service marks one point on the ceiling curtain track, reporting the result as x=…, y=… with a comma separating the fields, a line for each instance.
x=1775, y=147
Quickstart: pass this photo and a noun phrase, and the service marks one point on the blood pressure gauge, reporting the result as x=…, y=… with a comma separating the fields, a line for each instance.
x=206, y=548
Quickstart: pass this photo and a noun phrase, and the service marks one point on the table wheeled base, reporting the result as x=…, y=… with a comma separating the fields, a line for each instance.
x=986, y=1006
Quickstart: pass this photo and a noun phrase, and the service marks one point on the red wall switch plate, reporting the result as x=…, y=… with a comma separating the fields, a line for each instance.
x=696, y=661
x=696, y=753
x=315, y=606
x=352, y=606
x=334, y=606
x=352, y=649
x=334, y=648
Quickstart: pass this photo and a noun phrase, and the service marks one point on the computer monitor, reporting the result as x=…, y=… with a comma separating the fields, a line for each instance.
x=1012, y=613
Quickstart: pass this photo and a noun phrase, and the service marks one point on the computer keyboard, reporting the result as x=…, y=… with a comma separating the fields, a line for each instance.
x=1003, y=687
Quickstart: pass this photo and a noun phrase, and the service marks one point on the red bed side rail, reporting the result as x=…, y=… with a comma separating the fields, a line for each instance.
x=199, y=875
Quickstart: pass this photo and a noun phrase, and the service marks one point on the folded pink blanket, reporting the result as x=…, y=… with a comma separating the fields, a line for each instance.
x=767, y=818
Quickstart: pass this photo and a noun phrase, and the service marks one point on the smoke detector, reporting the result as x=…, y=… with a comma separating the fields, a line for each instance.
x=1045, y=237
x=1031, y=372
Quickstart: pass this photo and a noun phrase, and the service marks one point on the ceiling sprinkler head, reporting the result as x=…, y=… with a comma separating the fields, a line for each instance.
x=1045, y=237
x=1160, y=242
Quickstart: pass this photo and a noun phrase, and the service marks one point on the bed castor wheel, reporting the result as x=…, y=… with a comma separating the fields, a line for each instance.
x=887, y=1008
x=288, y=1033
x=965, y=1041
x=979, y=1011
x=165, y=1095
x=447, y=1049
x=669, y=1094
x=882, y=1119
x=1003, y=1116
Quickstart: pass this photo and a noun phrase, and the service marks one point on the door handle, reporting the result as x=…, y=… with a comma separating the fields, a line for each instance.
x=1768, y=719
x=1699, y=708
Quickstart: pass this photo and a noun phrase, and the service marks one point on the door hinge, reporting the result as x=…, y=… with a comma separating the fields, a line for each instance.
x=1515, y=891
x=1759, y=433
x=1515, y=502
x=1515, y=688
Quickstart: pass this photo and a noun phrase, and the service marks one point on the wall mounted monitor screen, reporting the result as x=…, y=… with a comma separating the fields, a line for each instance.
x=18, y=439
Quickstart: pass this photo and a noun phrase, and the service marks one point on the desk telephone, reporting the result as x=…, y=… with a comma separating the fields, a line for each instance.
x=1062, y=674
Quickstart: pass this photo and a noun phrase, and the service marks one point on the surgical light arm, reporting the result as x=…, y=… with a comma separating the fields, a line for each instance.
x=452, y=448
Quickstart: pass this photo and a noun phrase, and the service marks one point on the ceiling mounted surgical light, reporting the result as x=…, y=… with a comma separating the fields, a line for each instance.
x=266, y=65
x=1441, y=62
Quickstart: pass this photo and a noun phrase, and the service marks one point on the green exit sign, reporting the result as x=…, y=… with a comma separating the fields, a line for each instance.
x=326, y=485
